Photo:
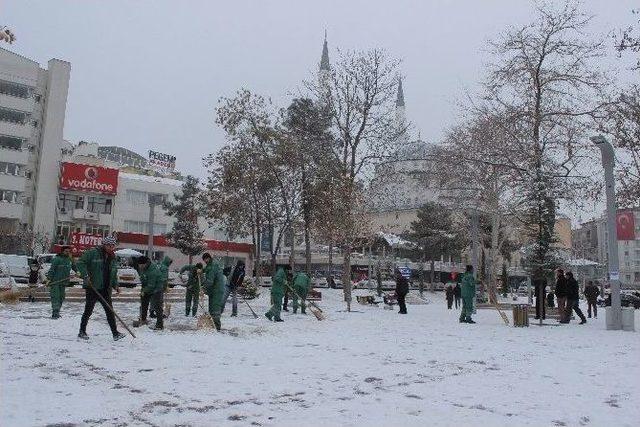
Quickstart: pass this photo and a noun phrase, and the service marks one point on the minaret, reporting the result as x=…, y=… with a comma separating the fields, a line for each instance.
x=324, y=73
x=400, y=111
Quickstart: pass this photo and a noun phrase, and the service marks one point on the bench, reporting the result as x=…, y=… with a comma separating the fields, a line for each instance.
x=314, y=295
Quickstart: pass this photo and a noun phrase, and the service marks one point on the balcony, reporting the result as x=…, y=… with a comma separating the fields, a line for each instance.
x=16, y=129
x=11, y=210
x=20, y=157
x=17, y=103
x=85, y=215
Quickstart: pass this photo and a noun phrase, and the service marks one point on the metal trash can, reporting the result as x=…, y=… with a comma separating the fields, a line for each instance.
x=521, y=315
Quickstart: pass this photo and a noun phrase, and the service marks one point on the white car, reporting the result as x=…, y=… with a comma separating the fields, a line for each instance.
x=128, y=277
x=320, y=282
x=18, y=266
x=7, y=283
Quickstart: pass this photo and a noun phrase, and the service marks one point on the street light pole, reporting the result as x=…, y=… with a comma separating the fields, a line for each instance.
x=154, y=199
x=608, y=162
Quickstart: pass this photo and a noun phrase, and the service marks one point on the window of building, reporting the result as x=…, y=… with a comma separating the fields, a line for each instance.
x=69, y=202
x=13, y=116
x=636, y=276
x=99, y=205
x=10, y=142
x=10, y=168
x=63, y=229
x=14, y=89
x=10, y=196
x=628, y=277
x=138, y=197
x=143, y=227
x=100, y=230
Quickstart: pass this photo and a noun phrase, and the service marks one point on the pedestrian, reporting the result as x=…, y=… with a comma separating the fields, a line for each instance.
x=98, y=270
x=573, y=298
x=278, y=283
x=235, y=282
x=379, y=282
x=153, y=288
x=540, y=289
x=561, y=295
x=145, y=299
x=468, y=293
x=163, y=267
x=449, y=295
x=402, y=289
x=457, y=294
x=550, y=300
x=192, y=294
x=591, y=293
x=301, y=285
x=34, y=269
x=285, y=305
x=58, y=279
x=213, y=287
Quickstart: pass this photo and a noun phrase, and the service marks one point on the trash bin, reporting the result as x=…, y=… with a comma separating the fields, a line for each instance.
x=520, y=315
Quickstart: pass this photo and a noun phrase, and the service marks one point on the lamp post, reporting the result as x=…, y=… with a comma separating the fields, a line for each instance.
x=608, y=161
x=154, y=200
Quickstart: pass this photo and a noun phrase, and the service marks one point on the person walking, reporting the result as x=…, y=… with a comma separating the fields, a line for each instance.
x=153, y=289
x=561, y=295
x=457, y=294
x=591, y=293
x=97, y=267
x=277, y=294
x=540, y=289
x=58, y=279
x=144, y=298
x=163, y=267
x=192, y=294
x=449, y=295
x=468, y=293
x=573, y=298
x=402, y=289
x=285, y=304
x=213, y=287
x=233, y=283
x=301, y=285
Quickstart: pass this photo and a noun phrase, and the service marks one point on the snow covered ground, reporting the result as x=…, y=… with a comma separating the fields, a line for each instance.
x=371, y=367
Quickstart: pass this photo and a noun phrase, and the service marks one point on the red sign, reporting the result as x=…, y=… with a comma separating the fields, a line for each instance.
x=83, y=241
x=89, y=178
x=625, y=225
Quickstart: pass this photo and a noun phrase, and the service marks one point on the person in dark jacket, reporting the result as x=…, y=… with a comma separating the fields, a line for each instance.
x=457, y=294
x=561, y=295
x=573, y=299
x=449, y=294
x=233, y=283
x=97, y=267
x=540, y=289
x=192, y=294
x=591, y=293
x=402, y=289
x=153, y=281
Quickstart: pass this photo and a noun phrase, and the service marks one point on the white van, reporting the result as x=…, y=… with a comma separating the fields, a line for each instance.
x=18, y=266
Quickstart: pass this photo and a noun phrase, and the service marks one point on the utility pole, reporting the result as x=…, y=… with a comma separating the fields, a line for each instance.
x=608, y=162
x=475, y=237
x=154, y=199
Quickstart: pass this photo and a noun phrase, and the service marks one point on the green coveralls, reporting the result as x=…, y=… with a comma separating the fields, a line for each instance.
x=301, y=285
x=214, y=288
x=153, y=281
x=58, y=275
x=192, y=295
x=468, y=291
x=278, y=284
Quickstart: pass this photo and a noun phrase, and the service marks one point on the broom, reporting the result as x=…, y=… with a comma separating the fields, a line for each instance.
x=205, y=321
x=317, y=311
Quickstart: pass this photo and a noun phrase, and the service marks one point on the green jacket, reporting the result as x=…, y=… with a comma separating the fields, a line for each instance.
x=164, y=269
x=468, y=288
x=60, y=269
x=91, y=266
x=278, y=283
x=152, y=280
x=301, y=280
x=193, y=281
x=213, y=278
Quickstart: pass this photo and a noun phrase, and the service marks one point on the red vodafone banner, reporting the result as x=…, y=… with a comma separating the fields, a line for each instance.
x=625, y=225
x=89, y=178
x=83, y=241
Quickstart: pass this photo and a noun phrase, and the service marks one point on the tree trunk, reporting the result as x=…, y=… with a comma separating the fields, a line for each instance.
x=330, y=266
x=307, y=248
x=292, y=255
x=346, y=276
x=433, y=275
x=495, y=232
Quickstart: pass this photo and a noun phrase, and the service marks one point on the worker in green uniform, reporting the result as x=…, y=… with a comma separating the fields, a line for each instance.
x=468, y=291
x=278, y=284
x=163, y=267
x=301, y=286
x=213, y=287
x=58, y=279
x=153, y=287
x=192, y=295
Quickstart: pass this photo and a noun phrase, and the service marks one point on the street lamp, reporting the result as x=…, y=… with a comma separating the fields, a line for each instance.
x=154, y=200
x=614, y=322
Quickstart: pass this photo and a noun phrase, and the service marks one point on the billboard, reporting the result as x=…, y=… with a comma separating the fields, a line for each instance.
x=96, y=179
x=161, y=162
x=80, y=242
x=625, y=225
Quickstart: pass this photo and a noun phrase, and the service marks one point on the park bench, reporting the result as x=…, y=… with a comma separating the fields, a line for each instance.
x=314, y=295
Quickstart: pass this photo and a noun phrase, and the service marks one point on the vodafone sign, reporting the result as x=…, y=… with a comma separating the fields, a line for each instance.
x=88, y=178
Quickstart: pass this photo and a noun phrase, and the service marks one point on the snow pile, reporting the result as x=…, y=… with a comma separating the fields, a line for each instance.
x=370, y=367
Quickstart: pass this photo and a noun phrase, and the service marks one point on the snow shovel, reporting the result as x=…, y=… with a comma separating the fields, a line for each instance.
x=247, y=302
x=90, y=286
x=205, y=321
x=312, y=306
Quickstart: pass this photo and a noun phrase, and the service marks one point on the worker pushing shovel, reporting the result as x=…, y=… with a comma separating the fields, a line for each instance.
x=58, y=279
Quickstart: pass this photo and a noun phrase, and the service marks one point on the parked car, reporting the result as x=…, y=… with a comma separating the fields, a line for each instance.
x=18, y=266
x=626, y=300
x=7, y=283
x=320, y=282
x=264, y=281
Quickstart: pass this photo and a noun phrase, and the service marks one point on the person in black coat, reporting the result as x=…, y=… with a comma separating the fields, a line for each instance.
x=573, y=299
x=561, y=295
x=457, y=294
x=233, y=283
x=591, y=293
x=402, y=289
x=540, y=287
x=449, y=294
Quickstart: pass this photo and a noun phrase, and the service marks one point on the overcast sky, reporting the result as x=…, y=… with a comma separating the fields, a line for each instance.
x=148, y=74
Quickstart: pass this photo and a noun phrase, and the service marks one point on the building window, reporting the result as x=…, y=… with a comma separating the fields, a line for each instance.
x=100, y=230
x=10, y=142
x=13, y=116
x=15, y=89
x=143, y=227
x=628, y=277
x=636, y=276
x=68, y=202
x=99, y=205
x=10, y=196
x=137, y=197
x=10, y=169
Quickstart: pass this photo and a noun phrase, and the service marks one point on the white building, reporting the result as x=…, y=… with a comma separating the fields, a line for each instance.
x=32, y=112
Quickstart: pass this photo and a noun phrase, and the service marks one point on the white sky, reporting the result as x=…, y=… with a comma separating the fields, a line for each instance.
x=148, y=74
